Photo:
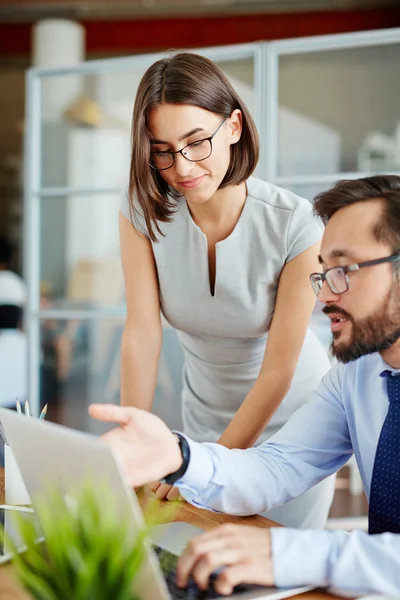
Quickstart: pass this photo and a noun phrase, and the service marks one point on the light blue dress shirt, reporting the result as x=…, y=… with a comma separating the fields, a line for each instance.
x=344, y=417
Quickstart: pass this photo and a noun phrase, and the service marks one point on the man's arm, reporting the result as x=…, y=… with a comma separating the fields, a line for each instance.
x=314, y=444
x=353, y=563
x=356, y=562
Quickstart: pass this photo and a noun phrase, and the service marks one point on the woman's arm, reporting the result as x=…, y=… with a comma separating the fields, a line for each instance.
x=295, y=301
x=142, y=336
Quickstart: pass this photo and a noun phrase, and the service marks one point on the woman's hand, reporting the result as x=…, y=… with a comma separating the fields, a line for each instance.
x=165, y=491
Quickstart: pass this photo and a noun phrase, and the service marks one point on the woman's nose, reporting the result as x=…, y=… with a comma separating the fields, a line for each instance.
x=183, y=167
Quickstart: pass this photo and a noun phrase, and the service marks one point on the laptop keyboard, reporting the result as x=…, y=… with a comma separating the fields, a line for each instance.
x=168, y=562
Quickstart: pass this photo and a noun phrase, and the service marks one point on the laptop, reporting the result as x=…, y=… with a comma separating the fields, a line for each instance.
x=52, y=455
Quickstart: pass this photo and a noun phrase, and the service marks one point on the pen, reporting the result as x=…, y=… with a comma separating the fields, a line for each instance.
x=43, y=413
x=27, y=409
x=19, y=411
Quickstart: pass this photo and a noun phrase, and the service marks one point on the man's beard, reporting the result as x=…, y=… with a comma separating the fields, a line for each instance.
x=375, y=333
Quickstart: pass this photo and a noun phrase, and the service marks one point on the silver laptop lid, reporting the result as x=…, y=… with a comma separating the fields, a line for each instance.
x=52, y=455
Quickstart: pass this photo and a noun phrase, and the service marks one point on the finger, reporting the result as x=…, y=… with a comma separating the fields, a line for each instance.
x=154, y=486
x=196, y=549
x=212, y=561
x=173, y=494
x=163, y=491
x=254, y=572
x=111, y=413
x=230, y=577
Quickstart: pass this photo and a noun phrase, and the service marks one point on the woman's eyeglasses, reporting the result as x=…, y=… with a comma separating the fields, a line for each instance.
x=337, y=279
x=194, y=152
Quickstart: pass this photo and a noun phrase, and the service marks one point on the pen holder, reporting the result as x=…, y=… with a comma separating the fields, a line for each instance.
x=15, y=489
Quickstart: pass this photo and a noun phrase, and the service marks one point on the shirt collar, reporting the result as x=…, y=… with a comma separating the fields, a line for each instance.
x=386, y=367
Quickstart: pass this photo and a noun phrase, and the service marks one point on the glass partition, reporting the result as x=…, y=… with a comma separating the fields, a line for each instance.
x=80, y=364
x=85, y=143
x=336, y=113
x=79, y=251
x=241, y=75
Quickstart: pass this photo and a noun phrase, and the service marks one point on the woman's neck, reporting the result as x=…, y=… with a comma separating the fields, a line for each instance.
x=222, y=210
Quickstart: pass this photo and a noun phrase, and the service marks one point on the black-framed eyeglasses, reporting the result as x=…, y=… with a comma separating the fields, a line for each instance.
x=337, y=277
x=194, y=152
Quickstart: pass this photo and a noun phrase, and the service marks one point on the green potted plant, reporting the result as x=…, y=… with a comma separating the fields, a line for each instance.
x=87, y=552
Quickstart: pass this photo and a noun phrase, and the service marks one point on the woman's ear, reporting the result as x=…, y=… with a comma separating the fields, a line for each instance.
x=235, y=126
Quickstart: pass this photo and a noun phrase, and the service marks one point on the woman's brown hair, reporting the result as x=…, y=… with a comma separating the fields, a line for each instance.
x=184, y=78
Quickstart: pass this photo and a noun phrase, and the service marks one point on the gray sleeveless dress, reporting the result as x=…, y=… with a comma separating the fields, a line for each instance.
x=223, y=336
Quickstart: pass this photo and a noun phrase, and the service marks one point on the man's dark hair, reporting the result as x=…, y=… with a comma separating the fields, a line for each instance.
x=350, y=191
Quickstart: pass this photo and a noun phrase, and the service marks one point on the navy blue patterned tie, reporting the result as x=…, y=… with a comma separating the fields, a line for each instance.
x=384, y=501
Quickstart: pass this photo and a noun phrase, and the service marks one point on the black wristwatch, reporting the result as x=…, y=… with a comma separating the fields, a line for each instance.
x=185, y=451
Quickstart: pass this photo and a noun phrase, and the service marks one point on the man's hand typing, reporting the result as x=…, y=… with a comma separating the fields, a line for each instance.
x=241, y=553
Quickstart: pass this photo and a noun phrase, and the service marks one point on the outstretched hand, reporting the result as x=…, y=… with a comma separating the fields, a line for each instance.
x=146, y=448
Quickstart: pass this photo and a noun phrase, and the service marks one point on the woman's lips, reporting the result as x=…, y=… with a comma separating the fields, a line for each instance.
x=192, y=183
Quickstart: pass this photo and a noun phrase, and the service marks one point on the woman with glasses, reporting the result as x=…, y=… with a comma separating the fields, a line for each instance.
x=226, y=258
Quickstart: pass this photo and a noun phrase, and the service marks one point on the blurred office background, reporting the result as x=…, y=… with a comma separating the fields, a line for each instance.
x=326, y=108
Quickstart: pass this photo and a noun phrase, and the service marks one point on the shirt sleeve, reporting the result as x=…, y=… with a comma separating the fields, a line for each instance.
x=352, y=564
x=139, y=221
x=305, y=230
x=312, y=445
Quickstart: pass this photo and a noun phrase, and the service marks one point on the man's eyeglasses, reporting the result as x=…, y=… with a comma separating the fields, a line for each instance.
x=337, y=279
x=194, y=152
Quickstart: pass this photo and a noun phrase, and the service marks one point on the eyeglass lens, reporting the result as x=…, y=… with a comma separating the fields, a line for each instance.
x=335, y=278
x=194, y=152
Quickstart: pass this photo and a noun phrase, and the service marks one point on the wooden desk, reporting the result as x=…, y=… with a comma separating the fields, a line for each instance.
x=9, y=590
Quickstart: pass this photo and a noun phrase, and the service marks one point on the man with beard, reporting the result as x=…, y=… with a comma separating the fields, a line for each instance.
x=356, y=409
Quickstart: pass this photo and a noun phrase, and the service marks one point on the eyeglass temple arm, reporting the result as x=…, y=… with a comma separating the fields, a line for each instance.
x=376, y=261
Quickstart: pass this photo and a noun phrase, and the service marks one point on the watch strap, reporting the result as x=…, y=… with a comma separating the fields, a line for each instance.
x=185, y=451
